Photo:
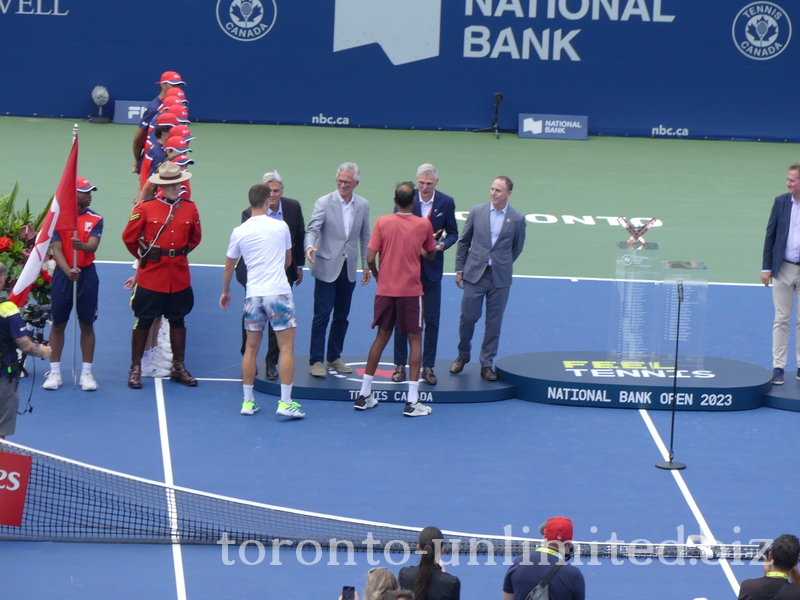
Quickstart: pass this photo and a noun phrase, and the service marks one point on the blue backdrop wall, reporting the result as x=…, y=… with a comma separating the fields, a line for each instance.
x=671, y=68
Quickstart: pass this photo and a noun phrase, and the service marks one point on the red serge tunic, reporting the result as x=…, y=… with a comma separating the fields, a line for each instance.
x=182, y=230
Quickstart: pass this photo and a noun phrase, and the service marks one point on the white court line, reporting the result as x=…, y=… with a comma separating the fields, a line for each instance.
x=687, y=495
x=177, y=555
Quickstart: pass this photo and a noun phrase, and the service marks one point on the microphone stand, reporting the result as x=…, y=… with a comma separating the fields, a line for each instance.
x=670, y=465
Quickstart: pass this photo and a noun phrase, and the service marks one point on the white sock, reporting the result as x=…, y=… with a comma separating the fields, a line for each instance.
x=366, y=385
x=147, y=358
x=413, y=392
x=55, y=368
x=86, y=368
x=248, y=393
x=286, y=393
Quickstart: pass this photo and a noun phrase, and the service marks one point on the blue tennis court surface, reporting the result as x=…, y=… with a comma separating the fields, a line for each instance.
x=474, y=468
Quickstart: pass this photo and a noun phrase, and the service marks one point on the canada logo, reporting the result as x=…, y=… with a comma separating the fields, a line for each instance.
x=246, y=20
x=762, y=30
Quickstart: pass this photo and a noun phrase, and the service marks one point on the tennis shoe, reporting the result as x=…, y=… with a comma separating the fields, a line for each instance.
x=417, y=410
x=88, y=384
x=249, y=408
x=289, y=410
x=777, y=376
x=155, y=370
x=365, y=402
x=52, y=381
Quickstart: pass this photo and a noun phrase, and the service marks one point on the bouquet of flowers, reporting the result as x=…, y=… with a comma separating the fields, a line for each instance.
x=17, y=236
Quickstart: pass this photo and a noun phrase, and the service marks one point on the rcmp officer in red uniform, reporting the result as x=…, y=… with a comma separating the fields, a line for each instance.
x=160, y=233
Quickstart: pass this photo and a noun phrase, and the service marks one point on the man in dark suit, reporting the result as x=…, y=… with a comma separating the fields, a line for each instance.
x=440, y=210
x=491, y=241
x=781, y=265
x=290, y=212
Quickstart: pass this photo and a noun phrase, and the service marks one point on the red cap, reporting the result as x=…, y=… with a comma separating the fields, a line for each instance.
x=177, y=143
x=166, y=118
x=182, y=131
x=85, y=186
x=182, y=160
x=171, y=101
x=557, y=529
x=177, y=92
x=171, y=77
x=180, y=112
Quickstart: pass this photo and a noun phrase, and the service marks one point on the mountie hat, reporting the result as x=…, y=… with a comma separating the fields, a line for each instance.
x=557, y=529
x=85, y=186
x=169, y=172
x=171, y=77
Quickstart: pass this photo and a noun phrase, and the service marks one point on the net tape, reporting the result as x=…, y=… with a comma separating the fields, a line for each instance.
x=74, y=502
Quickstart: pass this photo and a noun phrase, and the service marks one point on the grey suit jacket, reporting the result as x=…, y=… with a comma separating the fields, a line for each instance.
x=475, y=247
x=325, y=232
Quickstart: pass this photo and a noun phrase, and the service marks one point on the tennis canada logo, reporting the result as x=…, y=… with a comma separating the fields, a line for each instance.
x=246, y=20
x=762, y=30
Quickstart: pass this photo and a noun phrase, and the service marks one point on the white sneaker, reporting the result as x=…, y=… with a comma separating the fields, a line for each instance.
x=88, y=384
x=52, y=381
x=292, y=410
x=417, y=410
x=363, y=403
x=155, y=370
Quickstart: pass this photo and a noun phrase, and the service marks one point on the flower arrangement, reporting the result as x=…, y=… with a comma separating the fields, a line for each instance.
x=17, y=237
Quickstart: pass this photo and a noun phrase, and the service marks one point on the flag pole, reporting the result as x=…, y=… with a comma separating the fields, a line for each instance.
x=74, y=291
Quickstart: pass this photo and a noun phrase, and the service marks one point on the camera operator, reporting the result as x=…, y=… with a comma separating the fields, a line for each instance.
x=12, y=328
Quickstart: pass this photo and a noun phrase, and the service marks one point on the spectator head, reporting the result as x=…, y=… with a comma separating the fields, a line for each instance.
x=258, y=195
x=785, y=552
x=379, y=580
x=557, y=533
x=404, y=195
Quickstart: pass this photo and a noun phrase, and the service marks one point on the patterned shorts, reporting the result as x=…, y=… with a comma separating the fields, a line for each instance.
x=278, y=310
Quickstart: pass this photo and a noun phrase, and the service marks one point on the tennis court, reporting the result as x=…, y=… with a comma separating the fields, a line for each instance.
x=470, y=467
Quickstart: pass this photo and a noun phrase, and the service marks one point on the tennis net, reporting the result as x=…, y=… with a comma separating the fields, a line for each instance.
x=71, y=501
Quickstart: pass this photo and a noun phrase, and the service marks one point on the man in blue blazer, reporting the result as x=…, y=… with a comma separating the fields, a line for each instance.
x=781, y=264
x=492, y=239
x=440, y=210
x=337, y=231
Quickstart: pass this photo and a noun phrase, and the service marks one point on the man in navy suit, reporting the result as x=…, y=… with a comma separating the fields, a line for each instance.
x=491, y=241
x=440, y=210
x=781, y=265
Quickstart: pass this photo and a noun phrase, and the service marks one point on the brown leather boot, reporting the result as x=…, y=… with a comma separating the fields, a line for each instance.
x=138, y=342
x=177, y=338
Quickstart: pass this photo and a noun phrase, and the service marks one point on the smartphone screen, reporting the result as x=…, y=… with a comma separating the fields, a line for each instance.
x=348, y=592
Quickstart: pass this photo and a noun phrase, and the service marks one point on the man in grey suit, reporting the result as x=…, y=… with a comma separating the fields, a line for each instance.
x=337, y=231
x=491, y=241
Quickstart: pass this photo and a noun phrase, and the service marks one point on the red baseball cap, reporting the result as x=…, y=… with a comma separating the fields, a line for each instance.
x=557, y=529
x=182, y=131
x=166, y=118
x=177, y=92
x=178, y=144
x=172, y=78
x=171, y=101
x=182, y=160
x=85, y=186
x=180, y=112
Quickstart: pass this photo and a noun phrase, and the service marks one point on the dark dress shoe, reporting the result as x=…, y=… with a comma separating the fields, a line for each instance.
x=272, y=371
x=488, y=374
x=458, y=365
x=399, y=373
x=428, y=376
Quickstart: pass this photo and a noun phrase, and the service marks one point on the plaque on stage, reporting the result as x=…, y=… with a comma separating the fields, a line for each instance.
x=637, y=317
x=692, y=279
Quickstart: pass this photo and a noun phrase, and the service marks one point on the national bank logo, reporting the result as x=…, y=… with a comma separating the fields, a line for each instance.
x=246, y=20
x=762, y=30
x=406, y=30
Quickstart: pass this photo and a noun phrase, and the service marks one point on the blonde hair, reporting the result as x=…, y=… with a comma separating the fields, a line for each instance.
x=379, y=580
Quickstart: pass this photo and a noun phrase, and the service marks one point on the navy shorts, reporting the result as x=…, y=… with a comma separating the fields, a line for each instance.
x=61, y=295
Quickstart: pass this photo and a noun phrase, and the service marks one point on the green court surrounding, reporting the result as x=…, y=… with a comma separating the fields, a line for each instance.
x=713, y=197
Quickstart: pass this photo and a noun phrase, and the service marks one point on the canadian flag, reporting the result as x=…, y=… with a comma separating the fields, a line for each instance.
x=63, y=214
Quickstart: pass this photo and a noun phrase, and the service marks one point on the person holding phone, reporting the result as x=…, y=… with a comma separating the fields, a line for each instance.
x=379, y=581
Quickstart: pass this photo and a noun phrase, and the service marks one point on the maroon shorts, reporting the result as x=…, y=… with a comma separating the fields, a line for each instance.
x=403, y=311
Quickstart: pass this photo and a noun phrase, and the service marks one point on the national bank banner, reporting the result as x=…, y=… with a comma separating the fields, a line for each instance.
x=660, y=68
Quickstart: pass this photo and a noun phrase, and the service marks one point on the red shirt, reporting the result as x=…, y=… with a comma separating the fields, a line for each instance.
x=169, y=274
x=398, y=238
x=90, y=224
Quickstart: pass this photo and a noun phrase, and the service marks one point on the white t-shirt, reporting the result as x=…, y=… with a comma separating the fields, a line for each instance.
x=262, y=243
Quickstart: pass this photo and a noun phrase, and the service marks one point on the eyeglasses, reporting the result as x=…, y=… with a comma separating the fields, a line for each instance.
x=345, y=181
